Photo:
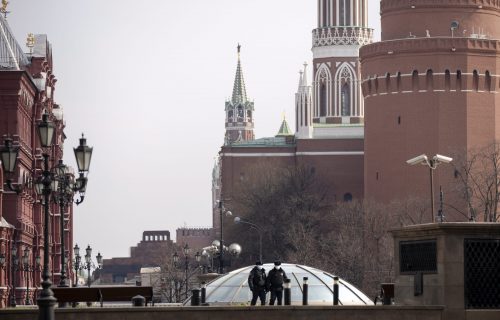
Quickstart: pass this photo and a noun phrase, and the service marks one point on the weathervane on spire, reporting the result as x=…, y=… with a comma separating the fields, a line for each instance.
x=3, y=9
x=239, y=49
x=30, y=42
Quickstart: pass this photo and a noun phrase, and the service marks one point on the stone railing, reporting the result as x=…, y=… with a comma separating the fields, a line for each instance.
x=342, y=36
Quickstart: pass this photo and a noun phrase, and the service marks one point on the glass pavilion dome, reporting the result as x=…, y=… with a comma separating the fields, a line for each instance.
x=232, y=288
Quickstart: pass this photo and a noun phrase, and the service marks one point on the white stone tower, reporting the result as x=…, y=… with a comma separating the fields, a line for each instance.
x=342, y=30
x=303, y=107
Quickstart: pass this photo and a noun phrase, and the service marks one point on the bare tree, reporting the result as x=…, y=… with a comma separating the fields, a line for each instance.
x=478, y=176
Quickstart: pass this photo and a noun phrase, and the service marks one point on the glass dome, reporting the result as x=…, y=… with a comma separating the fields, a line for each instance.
x=232, y=288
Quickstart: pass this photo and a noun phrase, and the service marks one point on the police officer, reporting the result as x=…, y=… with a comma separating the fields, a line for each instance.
x=275, y=279
x=257, y=283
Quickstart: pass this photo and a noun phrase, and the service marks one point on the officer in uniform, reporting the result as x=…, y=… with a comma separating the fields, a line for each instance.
x=257, y=283
x=275, y=279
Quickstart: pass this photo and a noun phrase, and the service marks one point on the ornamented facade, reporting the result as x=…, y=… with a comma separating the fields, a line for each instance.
x=27, y=87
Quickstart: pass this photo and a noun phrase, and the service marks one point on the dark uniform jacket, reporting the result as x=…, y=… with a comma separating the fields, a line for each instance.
x=257, y=279
x=275, y=279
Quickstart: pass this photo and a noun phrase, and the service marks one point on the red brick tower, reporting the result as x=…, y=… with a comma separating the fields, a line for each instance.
x=430, y=86
x=239, y=110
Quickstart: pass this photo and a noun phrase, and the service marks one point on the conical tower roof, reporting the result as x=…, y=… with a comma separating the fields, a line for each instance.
x=284, y=129
x=239, y=89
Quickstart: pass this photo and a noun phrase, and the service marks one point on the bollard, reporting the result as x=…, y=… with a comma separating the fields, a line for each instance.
x=203, y=292
x=195, y=298
x=335, y=291
x=288, y=292
x=305, y=291
x=138, y=301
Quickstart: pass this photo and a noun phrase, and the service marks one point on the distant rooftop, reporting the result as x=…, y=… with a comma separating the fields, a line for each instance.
x=283, y=141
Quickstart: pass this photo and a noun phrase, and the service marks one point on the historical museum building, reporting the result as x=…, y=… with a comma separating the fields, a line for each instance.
x=329, y=131
x=431, y=86
x=27, y=88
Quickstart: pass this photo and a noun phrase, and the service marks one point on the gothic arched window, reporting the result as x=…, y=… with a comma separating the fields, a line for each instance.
x=322, y=100
x=345, y=100
x=240, y=114
x=230, y=115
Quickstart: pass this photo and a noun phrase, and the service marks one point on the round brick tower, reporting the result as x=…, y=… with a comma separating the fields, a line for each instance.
x=430, y=86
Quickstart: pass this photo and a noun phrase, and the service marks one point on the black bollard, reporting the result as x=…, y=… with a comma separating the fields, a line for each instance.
x=195, y=298
x=288, y=292
x=203, y=293
x=305, y=292
x=138, y=301
x=335, y=291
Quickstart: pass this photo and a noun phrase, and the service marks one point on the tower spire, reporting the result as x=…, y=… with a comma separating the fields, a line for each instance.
x=239, y=90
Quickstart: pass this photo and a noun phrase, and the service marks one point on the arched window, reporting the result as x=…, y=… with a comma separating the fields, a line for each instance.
x=475, y=80
x=249, y=115
x=459, y=81
x=487, y=81
x=323, y=80
x=230, y=115
x=322, y=100
x=388, y=82
x=347, y=197
x=447, y=80
x=414, y=81
x=429, y=79
x=240, y=113
x=345, y=100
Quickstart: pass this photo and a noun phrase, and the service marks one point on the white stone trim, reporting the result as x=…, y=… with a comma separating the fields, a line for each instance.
x=293, y=154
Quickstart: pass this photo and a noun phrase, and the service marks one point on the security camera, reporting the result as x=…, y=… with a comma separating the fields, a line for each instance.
x=421, y=159
x=228, y=213
x=454, y=25
x=442, y=159
x=237, y=219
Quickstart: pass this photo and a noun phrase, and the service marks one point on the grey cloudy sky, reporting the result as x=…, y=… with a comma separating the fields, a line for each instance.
x=147, y=81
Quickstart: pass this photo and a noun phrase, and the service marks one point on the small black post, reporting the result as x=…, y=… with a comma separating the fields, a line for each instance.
x=195, y=298
x=335, y=291
x=287, y=292
x=203, y=292
x=305, y=292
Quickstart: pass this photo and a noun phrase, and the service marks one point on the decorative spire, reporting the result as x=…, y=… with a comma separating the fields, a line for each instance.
x=239, y=90
x=30, y=42
x=284, y=128
x=304, y=78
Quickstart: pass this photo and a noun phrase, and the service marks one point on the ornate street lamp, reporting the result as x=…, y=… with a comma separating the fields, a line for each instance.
x=44, y=185
x=252, y=225
x=8, y=155
x=89, y=264
x=14, y=266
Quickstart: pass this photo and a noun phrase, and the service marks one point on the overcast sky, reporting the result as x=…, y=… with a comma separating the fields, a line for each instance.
x=147, y=81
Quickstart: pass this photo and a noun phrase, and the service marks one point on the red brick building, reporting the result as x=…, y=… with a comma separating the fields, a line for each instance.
x=27, y=87
x=329, y=135
x=431, y=86
x=154, y=250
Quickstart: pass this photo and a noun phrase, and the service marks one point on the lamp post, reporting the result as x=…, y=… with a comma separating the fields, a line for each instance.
x=77, y=263
x=175, y=258
x=45, y=185
x=67, y=186
x=28, y=267
x=14, y=266
x=90, y=265
x=252, y=225
x=222, y=210
x=432, y=164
